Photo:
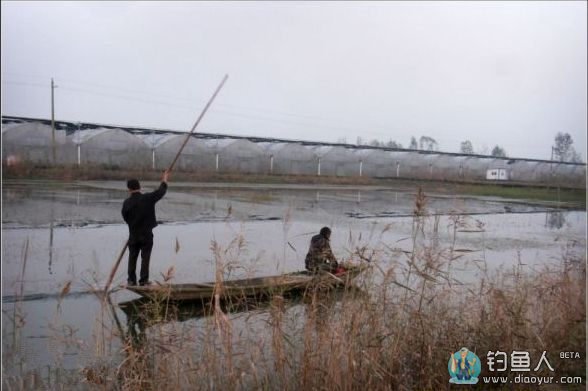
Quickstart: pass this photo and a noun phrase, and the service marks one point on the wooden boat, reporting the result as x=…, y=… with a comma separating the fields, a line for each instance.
x=146, y=312
x=251, y=287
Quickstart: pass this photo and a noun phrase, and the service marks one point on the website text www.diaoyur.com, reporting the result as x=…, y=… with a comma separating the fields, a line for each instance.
x=535, y=380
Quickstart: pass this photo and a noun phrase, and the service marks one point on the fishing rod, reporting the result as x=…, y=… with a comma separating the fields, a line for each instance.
x=173, y=163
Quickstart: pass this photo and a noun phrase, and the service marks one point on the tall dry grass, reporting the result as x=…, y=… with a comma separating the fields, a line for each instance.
x=395, y=333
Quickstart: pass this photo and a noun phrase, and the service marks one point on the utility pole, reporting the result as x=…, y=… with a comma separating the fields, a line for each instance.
x=53, y=119
x=551, y=164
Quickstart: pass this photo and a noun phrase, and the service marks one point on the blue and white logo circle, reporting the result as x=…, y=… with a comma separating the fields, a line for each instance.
x=464, y=367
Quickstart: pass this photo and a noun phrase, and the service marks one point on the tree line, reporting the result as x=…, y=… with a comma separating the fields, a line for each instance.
x=562, y=149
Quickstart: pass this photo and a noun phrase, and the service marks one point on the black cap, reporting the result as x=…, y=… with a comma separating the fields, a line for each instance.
x=326, y=232
x=133, y=184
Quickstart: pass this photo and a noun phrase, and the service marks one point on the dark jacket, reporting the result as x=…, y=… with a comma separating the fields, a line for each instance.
x=320, y=254
x=138, y=211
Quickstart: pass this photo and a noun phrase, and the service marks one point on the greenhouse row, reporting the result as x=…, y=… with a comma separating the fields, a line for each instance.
x=28, y=140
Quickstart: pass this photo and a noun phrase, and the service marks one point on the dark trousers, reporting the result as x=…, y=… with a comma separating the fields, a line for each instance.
x=321, y=265
x=142, y=245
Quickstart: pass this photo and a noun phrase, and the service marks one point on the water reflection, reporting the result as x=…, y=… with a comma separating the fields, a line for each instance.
x=555, y=219
x=144, y=313
x=51, y=226
x=26, y=203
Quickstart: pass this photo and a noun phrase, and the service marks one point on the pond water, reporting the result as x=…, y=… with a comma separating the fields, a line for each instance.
x=56, y=234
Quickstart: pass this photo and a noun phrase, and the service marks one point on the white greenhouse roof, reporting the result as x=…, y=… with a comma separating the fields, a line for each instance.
x=155, y=140
x=84, y=135
x=272, y=147
x=219, y=143
x=322, y=150
x=6, y=127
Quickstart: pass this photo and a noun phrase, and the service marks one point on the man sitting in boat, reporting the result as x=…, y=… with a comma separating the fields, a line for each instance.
x=320, y=256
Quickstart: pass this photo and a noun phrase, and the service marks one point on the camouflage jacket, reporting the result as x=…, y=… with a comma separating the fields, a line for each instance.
x=319, y=253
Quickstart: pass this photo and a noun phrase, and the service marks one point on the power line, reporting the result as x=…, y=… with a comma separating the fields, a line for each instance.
x=306, y=120
x=367, y=132
x=25, y=83
x=134, y=93
x=186, y=99
x=126, y=97
x=186, y=107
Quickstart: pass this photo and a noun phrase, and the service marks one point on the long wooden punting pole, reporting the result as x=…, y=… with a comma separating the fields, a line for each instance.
x=124, y=249
x=114, y=269
x=197, y=122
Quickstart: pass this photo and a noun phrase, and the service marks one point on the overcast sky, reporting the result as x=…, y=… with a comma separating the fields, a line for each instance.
x=512, y=74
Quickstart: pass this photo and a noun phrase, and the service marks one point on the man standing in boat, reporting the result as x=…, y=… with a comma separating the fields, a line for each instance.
x=138, y=211
x=320, y=256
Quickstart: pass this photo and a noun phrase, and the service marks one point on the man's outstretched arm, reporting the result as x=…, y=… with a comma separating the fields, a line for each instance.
x=160, y=192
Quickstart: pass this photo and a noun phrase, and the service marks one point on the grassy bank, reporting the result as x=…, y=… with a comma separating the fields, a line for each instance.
x=576, y=196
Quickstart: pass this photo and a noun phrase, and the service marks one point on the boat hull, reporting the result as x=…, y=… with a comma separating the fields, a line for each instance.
x=254, y=287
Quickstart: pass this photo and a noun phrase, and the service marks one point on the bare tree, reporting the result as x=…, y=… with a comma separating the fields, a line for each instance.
x=393, y=144
x=498, y=151
x=413, y=143
x=576, y=157
x=466, y=147
x=427, y=143
x=381, y=144
x=563, y=150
